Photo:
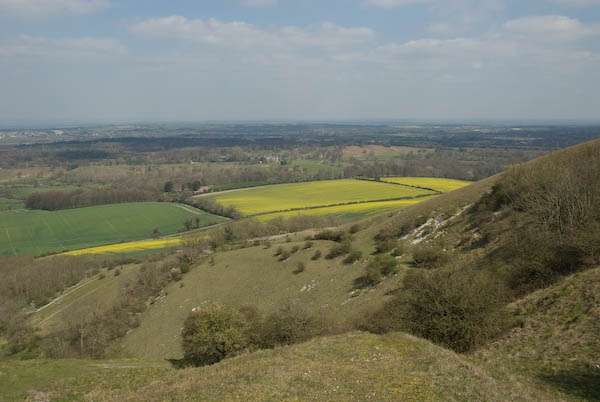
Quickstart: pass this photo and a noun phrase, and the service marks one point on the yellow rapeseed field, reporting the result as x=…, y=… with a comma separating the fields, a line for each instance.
x=284, y=197
x=128, y=247
x=439, y=184
x=361, y=210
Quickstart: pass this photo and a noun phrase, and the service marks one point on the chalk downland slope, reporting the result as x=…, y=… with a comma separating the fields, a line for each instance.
x=557, y=343
x=351, y=367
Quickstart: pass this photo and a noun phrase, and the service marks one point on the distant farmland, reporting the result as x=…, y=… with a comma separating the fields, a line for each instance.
x=434, y=183
x=38, y=232
x=362, y=197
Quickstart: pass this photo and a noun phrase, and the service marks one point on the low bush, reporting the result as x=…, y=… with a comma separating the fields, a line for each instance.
x=288, y=326
x=285, y=254
x=213, y=333
x=354, y=228
x=300, y=267
x=327, y=234
x=316, y=255
x=353, y=256
x=338, y=250
x=459, y=309
x=429, y=255
x=379, y=267
x=383, y=246
x=184, y=268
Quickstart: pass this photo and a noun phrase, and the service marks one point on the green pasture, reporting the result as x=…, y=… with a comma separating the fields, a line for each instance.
x=39, y=232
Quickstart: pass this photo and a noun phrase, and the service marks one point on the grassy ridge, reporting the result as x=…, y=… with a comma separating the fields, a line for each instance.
x=312, y=194
x=38, y=232
x=351, y=367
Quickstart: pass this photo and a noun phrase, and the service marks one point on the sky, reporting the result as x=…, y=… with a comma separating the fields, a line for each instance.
x=115, y=61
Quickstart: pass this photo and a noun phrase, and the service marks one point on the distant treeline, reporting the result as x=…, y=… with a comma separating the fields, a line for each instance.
x=56, y=200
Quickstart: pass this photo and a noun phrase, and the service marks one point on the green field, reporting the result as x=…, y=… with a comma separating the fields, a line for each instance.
x=285, y=197
x=38, y=232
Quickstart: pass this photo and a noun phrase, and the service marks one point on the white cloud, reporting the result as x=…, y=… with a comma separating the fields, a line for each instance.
x=260, y=3
x=42, y=8
x=244, y=35
x=551, y=28
x=60, y=48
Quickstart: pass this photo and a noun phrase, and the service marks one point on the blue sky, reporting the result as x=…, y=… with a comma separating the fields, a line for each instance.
x=130, y=60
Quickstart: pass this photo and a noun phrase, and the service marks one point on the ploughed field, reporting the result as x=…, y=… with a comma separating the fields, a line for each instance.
x=347, y=198
x=38, y=232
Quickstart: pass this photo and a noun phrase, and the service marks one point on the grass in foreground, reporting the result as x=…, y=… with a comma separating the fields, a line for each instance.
x=37, y=232
x=350, y=367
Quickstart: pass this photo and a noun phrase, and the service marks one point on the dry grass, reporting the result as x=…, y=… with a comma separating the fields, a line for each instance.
x=557, y=345
x=351, y=367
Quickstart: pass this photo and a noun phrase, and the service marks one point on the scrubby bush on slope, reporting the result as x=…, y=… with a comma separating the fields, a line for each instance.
x=213, y=333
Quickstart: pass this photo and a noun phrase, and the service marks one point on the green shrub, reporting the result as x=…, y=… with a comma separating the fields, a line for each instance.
x=383, y=246
x=185, y=268
x=379, y=267
x=295, y=249
x=336, y=236
x=338, y=250
x=288, y=326
x=354, y=228
x=429, y=255
x=284, y=255
x=300, y=267
x=213, y=333
x=459, y=309
x=316, y=255
x=308, y=244
x=353, y=256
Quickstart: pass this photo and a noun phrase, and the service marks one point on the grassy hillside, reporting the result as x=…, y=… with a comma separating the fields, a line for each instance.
x=350, y=367
x=37, y=232
x=255, y=277
x=557, y=340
